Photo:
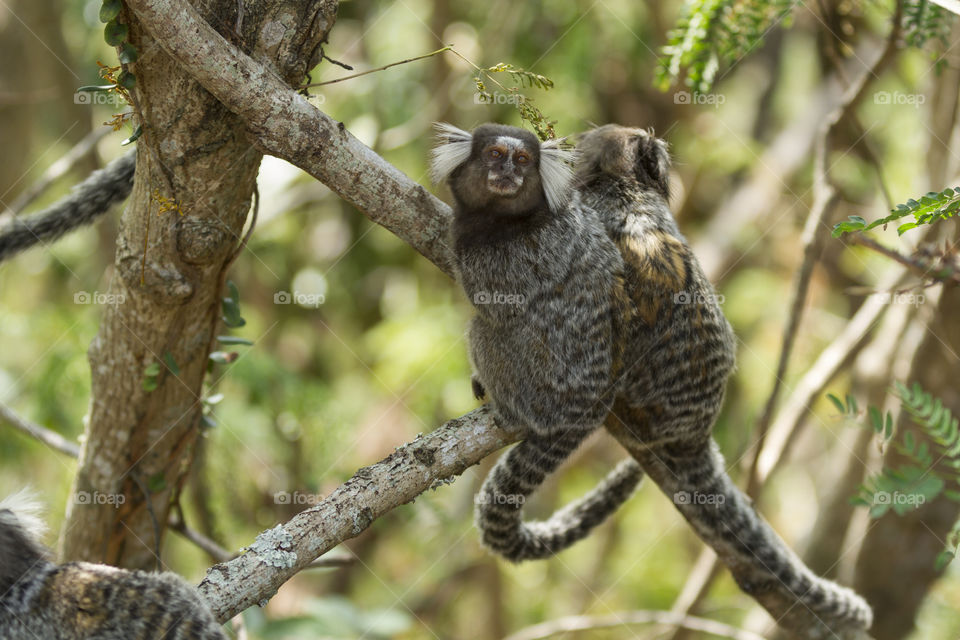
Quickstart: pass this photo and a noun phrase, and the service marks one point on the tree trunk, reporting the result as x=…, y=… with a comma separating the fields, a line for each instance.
x=138, y=444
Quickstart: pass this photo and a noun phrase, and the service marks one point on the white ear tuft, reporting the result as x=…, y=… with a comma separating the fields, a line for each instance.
x=556, y=172
x=452, y=150
x=24, y=510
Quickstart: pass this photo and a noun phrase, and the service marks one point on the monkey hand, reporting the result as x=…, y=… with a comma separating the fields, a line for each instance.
x=478, y=391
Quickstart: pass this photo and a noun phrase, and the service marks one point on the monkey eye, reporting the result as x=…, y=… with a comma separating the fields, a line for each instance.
x=495, y=153
x=522, y=158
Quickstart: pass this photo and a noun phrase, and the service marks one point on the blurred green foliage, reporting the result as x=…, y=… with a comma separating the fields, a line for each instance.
x=327, y=387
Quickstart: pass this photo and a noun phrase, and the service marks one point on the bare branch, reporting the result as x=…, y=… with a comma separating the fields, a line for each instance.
x=283, y=123
x=413, y=468
x=50, y=438
x=584, y=623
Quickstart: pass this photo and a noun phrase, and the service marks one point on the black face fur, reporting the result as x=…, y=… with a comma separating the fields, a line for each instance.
x=502, y=173
x=625, y=152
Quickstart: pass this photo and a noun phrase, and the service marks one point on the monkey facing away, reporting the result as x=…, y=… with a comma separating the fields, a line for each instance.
x=83, y=601
x=679, y=354
x=88, y=201
x=547, y=337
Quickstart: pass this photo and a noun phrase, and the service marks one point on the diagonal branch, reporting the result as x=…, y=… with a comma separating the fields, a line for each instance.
x=284, y=124
x=281, y=552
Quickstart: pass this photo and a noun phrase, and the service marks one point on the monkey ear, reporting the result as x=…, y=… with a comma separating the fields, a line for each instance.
x=556, y=172
x=653, y=160
x=452, y=150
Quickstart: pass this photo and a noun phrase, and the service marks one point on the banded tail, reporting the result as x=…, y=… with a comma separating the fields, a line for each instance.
x=88, y=201
x=518, y=474
x=761, y=563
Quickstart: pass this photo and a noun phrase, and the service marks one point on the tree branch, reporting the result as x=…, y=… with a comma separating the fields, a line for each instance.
x=584, y=623
x=284, y=124
x=278, y=554
x=50, y=438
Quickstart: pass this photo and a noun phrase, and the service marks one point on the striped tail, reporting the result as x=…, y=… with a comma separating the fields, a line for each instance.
x=89, y=200
x=518, y=474
x=761, y=563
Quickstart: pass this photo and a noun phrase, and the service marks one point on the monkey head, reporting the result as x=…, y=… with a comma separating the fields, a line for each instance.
x=502, y=169
x=625, y=153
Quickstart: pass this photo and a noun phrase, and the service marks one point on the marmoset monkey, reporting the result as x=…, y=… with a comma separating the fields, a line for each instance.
x=551, y=313
x=83, y=601
x=88, y=201
x=679, y=353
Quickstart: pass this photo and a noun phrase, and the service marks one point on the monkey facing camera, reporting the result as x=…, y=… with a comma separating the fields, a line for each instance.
x=548, y=352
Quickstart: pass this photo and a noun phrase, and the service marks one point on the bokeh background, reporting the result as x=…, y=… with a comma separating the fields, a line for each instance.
x=374, y=353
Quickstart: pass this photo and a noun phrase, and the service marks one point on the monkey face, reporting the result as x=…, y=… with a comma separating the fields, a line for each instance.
x=509, y=163
x=502, y=170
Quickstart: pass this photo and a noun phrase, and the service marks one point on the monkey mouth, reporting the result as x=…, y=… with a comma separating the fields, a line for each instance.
x=504, y=185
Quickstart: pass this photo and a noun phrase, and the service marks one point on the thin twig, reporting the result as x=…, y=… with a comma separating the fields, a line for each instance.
x=50, y=438
x=449, y=47
x=922, y=269
x=583, y=623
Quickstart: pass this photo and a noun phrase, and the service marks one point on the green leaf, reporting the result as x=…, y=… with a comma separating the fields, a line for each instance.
x=944, y=558
x=852, y=405
x=157, y=482
x=153, y=369
x=128, y=54
x=133, y=137
x=149, y=384
x=837, y=403
x=230, y=340
x=876, y=419
x=115, y=33
x=902, y=229
x=127, y=80
x=207, y=422
x=216, y=398
x=888, y=427
x=109, y=10
x=171, y=363
x=97, y=87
